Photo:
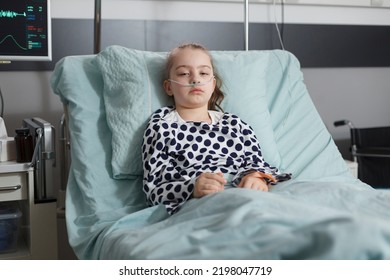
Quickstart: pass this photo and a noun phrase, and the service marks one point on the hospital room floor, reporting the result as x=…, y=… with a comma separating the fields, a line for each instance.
x=65, y=252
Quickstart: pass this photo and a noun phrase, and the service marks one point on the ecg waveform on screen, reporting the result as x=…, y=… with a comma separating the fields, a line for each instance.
x=11, y=14
x=10, y=37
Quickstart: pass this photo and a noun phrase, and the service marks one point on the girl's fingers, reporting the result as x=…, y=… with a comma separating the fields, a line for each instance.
x=208, y=183
x=217, y=177
x=253, y=183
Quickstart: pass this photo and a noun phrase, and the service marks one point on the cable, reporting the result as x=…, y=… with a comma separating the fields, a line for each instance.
x=276, y=23
x=282, y=23
x=2, y=103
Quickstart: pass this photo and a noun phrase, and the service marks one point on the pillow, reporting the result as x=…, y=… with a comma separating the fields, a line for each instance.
x=133, y=91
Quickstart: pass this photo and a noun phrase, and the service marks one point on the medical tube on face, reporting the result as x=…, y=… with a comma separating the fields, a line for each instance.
x=194, y=84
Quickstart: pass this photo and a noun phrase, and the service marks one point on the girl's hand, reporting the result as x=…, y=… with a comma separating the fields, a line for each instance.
x=208, y=183
x=251, y=181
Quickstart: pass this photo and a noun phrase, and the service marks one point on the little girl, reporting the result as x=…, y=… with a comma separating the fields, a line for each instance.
x=190, y=149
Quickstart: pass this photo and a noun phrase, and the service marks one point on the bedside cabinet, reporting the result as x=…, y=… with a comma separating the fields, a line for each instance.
x=37, y=234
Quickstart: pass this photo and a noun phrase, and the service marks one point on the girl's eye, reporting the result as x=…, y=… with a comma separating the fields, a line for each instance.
x=204, y=74
x=184, y=74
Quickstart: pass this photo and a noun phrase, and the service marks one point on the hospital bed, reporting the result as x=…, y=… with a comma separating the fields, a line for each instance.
x=322, y=213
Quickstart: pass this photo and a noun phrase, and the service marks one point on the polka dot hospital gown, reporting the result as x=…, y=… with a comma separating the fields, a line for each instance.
x=176, y=152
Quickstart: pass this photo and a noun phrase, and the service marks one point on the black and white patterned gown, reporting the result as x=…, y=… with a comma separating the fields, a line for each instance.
x=176, y=152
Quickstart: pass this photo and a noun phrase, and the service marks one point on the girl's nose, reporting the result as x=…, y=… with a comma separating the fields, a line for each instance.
x=195, y=80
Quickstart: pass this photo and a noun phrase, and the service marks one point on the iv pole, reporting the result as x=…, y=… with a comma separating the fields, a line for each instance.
x=246, y=23
x=97, y=24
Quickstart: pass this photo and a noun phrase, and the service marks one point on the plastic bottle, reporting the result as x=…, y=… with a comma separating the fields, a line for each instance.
x=24, y=145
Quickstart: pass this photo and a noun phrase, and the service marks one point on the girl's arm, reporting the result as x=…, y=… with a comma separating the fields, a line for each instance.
x=163, y=182
x=255, y=165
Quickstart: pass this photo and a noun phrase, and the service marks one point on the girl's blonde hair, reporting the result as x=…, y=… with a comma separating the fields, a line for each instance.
x=217, y=96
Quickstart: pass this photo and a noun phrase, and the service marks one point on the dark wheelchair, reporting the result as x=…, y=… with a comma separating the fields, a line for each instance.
x=370, y=148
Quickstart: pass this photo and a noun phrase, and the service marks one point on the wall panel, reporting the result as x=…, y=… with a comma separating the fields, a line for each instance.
x=315, y=45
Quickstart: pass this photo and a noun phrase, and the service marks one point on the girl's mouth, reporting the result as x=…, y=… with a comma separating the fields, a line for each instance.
x=196, y=90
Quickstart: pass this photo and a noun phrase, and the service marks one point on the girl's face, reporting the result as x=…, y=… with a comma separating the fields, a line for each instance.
x=190, y=66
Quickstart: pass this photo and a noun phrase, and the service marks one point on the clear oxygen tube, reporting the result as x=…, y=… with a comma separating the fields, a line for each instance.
x=193, y=84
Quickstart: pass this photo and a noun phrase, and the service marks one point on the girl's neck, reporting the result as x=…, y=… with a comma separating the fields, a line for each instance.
x=194, y=115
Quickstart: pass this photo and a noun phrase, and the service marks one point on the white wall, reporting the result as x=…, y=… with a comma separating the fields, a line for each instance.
x=361, y=95
x=300, y=11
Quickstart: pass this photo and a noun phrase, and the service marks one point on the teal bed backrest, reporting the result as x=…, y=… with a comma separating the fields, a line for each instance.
x=302, y=139
x=110, y=96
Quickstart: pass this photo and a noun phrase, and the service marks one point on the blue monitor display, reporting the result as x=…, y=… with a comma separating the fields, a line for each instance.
x=25, y=30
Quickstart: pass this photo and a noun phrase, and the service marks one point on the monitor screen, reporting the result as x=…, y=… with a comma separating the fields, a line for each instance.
x=25, y=30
